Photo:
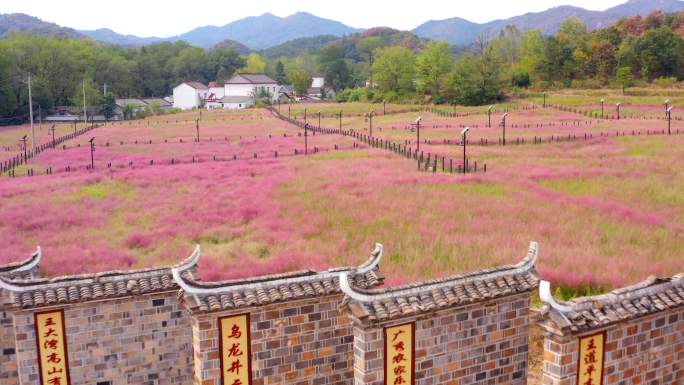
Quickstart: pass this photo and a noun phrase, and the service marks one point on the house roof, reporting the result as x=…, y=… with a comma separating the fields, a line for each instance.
x=197, y=85
x=251, y=79
x=135, y=102
x=236, y=99
x=217, y=296
x=372, y=306
x=589, y=313
x=24, y=269
x=211, y=84
x=160, y=101
x=34, y=293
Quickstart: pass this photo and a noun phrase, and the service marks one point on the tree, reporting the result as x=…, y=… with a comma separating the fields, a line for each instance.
x=661, y=54
x=433, y=66
x=394, y=69
x=254, y=64
x=367, y=46
x=301, y=81
x=280, y=75
x=128, y=111
x=624, y=77
x=106, y=105
x=331, y=63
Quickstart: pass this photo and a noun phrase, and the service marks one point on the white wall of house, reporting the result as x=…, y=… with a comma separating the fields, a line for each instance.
x=236, y=106
x=317, y=82
x=218, y=91
x=248, y=89
x=185, y=97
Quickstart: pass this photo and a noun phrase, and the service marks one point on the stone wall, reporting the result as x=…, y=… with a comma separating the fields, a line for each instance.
x=142, y=340
x=296, y=342
x=484, y=343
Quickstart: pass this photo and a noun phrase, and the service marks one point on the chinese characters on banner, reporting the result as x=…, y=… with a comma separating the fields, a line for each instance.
x=399, y=354
x=236, y=358
x=590, y=368
x=52, y=348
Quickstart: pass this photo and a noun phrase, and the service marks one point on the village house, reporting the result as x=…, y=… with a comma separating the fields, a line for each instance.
x=189, y=95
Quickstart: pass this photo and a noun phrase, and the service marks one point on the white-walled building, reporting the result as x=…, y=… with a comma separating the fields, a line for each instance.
x=251, y=85
x=217, y=91
x=190, y=95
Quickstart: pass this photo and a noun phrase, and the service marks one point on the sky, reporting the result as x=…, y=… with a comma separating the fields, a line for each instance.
x=173, y=17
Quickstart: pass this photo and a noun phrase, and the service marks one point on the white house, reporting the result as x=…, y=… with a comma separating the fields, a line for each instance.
x=251, y=85
x=218, y=91
x=317, y=82
x=190, y=95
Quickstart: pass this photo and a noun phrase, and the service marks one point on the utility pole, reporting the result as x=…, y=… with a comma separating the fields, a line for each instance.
x=85, y=111
x=33, y=130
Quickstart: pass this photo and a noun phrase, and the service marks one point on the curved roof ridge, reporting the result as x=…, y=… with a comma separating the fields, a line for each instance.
x=649, y=286
x=371, y=295
x=14, y=285
x=192, y=286
x=29, y=263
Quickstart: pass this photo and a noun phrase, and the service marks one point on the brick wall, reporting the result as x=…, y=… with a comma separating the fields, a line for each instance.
x=648, y=350
x=483, y=343
x=8, y=363
x=142, y=340
x=296, y=342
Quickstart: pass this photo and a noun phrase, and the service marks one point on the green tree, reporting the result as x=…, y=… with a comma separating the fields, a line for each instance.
x=367, y=46
x=106, y=105
x=661, y=54
x=394, y=69
x=301, y=81
x=624, y=77
x=280, y=75
x=331, y=63
x=433, y=66
x=255, y=64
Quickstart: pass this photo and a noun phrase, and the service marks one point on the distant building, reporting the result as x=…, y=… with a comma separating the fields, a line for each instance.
x=190, y=95
x=319, y=90
x=163, y=104
x=251, y=85
x=218, y=92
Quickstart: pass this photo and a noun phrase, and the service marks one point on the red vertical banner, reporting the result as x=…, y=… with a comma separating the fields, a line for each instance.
x=236, y=355
x=400, y=355
x=53, y=358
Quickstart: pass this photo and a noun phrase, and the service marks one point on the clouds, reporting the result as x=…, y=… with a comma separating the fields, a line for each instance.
x=173, y=17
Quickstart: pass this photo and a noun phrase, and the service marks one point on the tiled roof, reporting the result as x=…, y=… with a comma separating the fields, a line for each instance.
x=25, y=269
x=216, y=296
x=251, y=79
x=197, y=85
x=236, y=99
x=588, y=313
x=371, y=306
x=35, y=293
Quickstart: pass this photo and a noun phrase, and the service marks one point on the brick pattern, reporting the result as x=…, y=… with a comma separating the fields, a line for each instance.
x=648, y=350
x=142, y=340
x=484, y=343
x=298, y=342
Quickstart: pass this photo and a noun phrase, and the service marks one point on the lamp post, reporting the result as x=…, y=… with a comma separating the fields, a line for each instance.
x=92, y=150
x=306, y=139
x=289, y=109
x=544, y=99
x=53, y=135
x=340, y=120
x=23, y=139
x=464, y=140
x=319, y=119
x=603, y=101
x=489, y=116
x=667, y=106
x=197, y=127
x=384, y=110
x=305, y=115
x=418, y=133
x=503, y=125
x=669, y=121
x=370, y=122
x=617, y=107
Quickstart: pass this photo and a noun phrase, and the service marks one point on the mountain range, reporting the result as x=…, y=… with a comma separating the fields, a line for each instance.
x=268, y=30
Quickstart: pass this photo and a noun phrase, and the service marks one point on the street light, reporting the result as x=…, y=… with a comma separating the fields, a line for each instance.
x=384, y=111
x=617, y=106
x=92, y=150
x=319, y=119
x=667, y=106
x=197, y=127
x=503, y=125
x=306, y=139
x=305, y=115
x=340, y=120
x=464, y=140
x=603, y=101
x=370, y=121
x=418, y=133
x=289, y=109
x=23, y=139
x=669, y=120
x=53, y=135
x=544, y=99
x=489, y=116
